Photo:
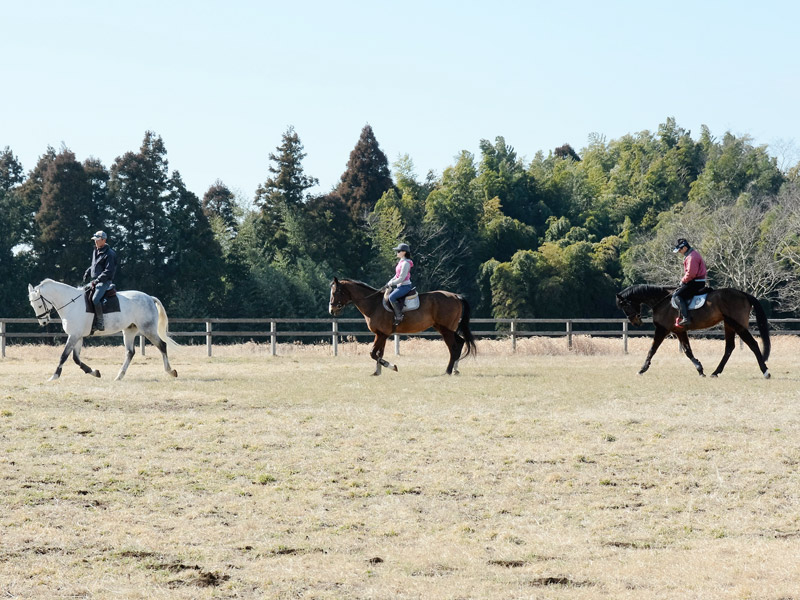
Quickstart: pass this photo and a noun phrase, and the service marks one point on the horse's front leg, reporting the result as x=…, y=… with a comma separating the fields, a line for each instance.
x=72, y=340
x=377, y=354
x=687, y=350
x=730, y=344
x=659, y=336
x=76, y=356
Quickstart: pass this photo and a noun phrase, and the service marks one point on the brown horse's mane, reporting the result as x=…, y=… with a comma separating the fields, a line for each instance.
x=645, y=293
x=357, y=282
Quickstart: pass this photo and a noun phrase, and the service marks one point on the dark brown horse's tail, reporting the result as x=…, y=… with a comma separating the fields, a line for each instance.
x=763, y=325
x=463, y=329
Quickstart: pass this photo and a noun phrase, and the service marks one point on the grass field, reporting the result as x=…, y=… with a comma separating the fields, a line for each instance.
x=543, y=474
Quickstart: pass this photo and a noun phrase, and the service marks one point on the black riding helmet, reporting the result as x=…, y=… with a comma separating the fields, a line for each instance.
x=682, y=243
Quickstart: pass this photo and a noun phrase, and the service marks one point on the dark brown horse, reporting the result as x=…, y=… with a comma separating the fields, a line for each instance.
x=724, y=305
x=446, y=312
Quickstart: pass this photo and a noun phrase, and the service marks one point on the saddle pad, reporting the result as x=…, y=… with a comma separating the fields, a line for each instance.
x=410, y=302
x=109, y=303
x=695, y=302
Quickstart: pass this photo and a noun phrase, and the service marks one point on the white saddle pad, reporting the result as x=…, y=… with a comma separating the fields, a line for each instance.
x=411, y=302
x=695, y=302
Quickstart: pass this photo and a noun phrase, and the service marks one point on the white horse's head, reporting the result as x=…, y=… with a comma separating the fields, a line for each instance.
x=40, y=305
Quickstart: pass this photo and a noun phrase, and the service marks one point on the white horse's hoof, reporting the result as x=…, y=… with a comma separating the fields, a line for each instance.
x=53, y=378
x=766, y=374
x=95, y=373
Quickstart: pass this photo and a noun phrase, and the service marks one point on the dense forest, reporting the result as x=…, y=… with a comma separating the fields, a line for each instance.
x=553, y=237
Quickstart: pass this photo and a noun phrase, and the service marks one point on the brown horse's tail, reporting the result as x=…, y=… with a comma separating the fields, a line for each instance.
x=763, y=325
x=463, y=329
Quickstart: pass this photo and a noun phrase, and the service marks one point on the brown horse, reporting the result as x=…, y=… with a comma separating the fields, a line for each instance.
x=446, y=312
x=724, y=305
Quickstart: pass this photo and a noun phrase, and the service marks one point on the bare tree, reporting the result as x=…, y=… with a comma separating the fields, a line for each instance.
x=752, y=246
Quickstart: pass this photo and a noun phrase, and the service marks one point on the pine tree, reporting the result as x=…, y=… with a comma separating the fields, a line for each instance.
x=284, y=192
x=366, y=177
x=219, y=201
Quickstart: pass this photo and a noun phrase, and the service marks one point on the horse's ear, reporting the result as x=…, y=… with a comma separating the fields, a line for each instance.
x=30, y=288
x=336, y=281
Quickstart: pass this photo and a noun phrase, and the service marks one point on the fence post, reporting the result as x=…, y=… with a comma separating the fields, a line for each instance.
x=273, y=338
x=625, y=336
x=397, y=344
x=513, y=335
x=209, y=328
x=335, y=339
x=569, y=334
x=2, y=339
x=141, y=343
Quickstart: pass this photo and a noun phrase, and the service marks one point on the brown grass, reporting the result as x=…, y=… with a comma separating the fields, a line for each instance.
x=543, y=474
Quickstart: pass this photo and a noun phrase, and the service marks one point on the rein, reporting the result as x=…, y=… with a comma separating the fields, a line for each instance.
x=47, y=311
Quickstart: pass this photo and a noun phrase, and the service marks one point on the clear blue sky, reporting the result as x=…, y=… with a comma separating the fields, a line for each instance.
x=221, y=81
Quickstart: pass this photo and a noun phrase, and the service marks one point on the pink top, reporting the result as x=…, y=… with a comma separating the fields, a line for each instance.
x=694, y=267
x=402, y=273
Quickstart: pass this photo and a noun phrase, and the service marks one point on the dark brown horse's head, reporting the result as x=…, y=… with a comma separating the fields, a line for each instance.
x=340, y=297
x=631, y=308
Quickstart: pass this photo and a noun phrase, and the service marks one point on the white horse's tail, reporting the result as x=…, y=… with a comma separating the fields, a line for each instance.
x=163, y=323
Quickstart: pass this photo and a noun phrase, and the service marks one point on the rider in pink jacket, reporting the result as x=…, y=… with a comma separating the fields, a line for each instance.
x=693, y=280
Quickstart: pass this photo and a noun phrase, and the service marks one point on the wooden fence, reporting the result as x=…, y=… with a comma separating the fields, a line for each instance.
x=335, y=330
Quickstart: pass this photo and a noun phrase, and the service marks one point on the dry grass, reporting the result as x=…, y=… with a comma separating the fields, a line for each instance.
x=544, y=474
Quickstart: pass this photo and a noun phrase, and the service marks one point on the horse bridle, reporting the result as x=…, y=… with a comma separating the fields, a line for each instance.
x=340, y=305
x=45, y=315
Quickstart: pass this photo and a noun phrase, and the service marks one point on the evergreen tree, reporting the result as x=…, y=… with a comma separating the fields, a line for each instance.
x=14, y=269
x=193, y=258
x=366, y=177
x=219, y=201
x=64, y=220
x=139, y=227
x=283, y=194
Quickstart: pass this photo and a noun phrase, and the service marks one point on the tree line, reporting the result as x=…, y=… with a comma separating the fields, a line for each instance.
x=555, y=236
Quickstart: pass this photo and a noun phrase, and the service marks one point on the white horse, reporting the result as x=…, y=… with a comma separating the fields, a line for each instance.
x=139, y=313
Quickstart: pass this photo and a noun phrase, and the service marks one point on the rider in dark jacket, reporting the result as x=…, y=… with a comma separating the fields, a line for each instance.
x=104, y=266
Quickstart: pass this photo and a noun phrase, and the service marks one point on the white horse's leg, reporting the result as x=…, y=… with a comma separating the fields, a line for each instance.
x=162, y=346
x=76, y=356
x=71, y=341
x=129, y=338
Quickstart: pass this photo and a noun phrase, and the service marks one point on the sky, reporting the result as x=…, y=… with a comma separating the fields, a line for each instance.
x=221, y=82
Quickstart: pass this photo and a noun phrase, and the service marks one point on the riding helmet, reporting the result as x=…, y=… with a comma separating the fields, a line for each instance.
x=682, y=243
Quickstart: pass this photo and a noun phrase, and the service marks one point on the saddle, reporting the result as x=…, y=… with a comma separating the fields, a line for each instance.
x=109, y=302
x=408, y=302
x=696, y=301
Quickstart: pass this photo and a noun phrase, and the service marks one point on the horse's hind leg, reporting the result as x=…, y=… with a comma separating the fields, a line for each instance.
x=687, y=349
x=76, y=356
x=748, y=339
x=449, y=338
x=730, y=344
x=129, y=338
x=162, y=347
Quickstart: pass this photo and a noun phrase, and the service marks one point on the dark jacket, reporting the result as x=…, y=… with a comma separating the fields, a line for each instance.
x=104, y=265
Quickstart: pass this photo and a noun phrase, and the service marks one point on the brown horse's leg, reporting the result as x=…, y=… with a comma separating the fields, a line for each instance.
x=751, y=343
x=687, y=350
x=377, y=354
x=730, y=344
x=659, y=336
x=449, y=338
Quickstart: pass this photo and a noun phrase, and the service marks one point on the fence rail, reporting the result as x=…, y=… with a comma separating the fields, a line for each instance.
x=511, y=329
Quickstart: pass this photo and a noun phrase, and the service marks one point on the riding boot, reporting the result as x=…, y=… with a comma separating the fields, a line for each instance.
x=398, y=312
x=683, y=308
x=98, y=324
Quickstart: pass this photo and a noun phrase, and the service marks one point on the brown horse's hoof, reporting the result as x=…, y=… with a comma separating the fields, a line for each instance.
x=395, y=368
x=174, y=373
